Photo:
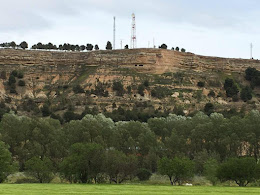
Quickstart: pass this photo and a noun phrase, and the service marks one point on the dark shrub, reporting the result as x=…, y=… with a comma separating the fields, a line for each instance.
x=144, y=174
x=21, y=83
x=201, y=84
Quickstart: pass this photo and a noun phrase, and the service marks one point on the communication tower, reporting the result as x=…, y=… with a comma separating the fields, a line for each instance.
x=114, y=38
x=251, y=51
x=133, y=34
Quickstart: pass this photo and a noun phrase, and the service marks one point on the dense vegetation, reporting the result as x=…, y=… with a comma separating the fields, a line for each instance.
x=97, y=149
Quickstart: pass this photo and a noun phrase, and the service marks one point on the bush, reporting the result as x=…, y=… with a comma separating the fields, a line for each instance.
x=11, y=80
x=211, y=93
x=201, y=84
x=144, y=174
x=26, y=180
x=118, y=87
x=20, y=75
x=231, y=88
x=21, y=83
x=141, y=89
x=45, y=110
x=209, y=108
x=14, y=73
x=246, y=94
x=78, y=89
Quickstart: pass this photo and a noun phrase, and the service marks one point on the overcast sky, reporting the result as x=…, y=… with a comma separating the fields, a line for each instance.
x=216, y=28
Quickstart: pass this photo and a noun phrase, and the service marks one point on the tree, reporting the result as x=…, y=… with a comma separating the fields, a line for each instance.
x=178, y=169
x=209, y=108
x=78, y=89
x=183, y=50
x=21, y=83
x=13, y=44
x=46, y=110
x=89, y=47
x=5, y=162
x=109, y=46
x=84, y=162
x=246, y=94
x=177, y=49
x=141, y=89
x=41, y=169
x=118, y=87
x=144, y=174
x=231, y=88
x=96, y=47
x=201, y=84
x=210, y=170
x=11, y=80
x=82, y=47
x=241, y=170
x=24, y=45
x=163, y=46
x=126, y=47
x=119, y=167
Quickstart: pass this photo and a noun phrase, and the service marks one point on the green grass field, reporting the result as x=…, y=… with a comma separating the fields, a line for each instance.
x=20, y=189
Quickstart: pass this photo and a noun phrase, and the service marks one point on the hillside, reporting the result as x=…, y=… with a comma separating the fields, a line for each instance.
x=153, y=80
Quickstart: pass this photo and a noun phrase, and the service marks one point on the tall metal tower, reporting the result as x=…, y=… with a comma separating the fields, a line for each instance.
x=133, y=34
x=114, y=38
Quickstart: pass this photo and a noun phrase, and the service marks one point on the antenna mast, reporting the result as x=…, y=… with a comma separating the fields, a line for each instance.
x=251, y=51
x=133, y=35
x=114, y=38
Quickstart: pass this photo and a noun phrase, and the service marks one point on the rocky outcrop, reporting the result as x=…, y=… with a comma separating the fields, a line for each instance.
x=150, y=60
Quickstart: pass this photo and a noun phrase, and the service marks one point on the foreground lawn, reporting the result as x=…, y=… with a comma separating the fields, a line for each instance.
x=45, y=189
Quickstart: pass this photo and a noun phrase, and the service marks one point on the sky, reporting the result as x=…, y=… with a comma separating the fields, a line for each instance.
x=223, y=28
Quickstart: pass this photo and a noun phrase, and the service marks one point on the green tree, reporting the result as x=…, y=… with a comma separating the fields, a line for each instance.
x=11, y=80
x=178, y=169
x=109, y=46
x=231, y=88
x=210, y=170
x=89, y=47
x=13, y=44
x=46, y=110
x=118, y=87
x=209, y=108
x=141, y=89
x=119, y=167
x=241, y=170
x=6, y=166
x=24, y=45
x=84, y=162
x=163, y=46
x=246, y=94
x=21, y=83
x=41, y=169
x=96, y=47
x=82, y=47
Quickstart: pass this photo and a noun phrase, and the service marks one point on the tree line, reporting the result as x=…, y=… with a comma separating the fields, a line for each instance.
x=97, y=149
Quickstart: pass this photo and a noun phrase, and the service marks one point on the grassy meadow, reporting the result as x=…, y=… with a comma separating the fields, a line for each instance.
x=20, y=189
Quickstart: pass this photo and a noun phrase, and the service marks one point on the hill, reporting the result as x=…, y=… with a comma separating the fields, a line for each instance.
x=145, y=80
